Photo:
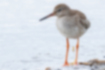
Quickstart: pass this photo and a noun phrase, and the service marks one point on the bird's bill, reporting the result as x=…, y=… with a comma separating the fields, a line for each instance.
x=50, y=15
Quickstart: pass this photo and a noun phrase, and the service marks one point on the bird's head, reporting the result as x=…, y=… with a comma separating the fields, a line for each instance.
x=59, y=11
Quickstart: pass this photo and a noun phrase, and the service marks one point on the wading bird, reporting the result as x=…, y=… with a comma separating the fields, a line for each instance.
x=72, y=24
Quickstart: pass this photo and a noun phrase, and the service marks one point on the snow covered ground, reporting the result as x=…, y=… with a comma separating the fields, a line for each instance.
x=27, y=44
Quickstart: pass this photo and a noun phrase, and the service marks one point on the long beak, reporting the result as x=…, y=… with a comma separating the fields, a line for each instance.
x=52, y=14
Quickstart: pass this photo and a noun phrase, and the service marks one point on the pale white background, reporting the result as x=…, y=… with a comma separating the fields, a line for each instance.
x=27, y=44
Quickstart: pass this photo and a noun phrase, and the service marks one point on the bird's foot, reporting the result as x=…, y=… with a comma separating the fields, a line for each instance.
x=66, y=64
x=73, y=63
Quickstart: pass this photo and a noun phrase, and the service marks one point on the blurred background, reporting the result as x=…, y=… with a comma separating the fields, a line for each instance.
x=27, y=44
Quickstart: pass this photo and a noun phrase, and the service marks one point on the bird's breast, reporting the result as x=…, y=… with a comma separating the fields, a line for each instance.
x=68, y=27
x=65, y=22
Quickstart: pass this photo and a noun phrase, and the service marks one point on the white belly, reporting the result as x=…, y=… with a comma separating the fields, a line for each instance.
x=69, y=27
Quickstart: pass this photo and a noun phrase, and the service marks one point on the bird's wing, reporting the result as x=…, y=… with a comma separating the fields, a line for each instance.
x=83, y=20
x=85, y=23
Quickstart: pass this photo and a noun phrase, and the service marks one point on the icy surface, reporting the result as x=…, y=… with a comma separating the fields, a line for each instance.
x=27, y=44
x=70, y=68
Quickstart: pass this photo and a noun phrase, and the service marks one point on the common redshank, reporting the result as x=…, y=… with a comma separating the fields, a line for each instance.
x=72, y=24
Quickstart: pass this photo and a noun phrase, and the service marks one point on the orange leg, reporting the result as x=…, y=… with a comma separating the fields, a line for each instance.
x=67, y=51
x=77, y=47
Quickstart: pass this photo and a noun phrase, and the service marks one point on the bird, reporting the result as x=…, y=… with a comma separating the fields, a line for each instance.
x=72, y=24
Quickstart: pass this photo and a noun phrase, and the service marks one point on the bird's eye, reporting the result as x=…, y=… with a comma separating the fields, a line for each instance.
x=59, y=10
